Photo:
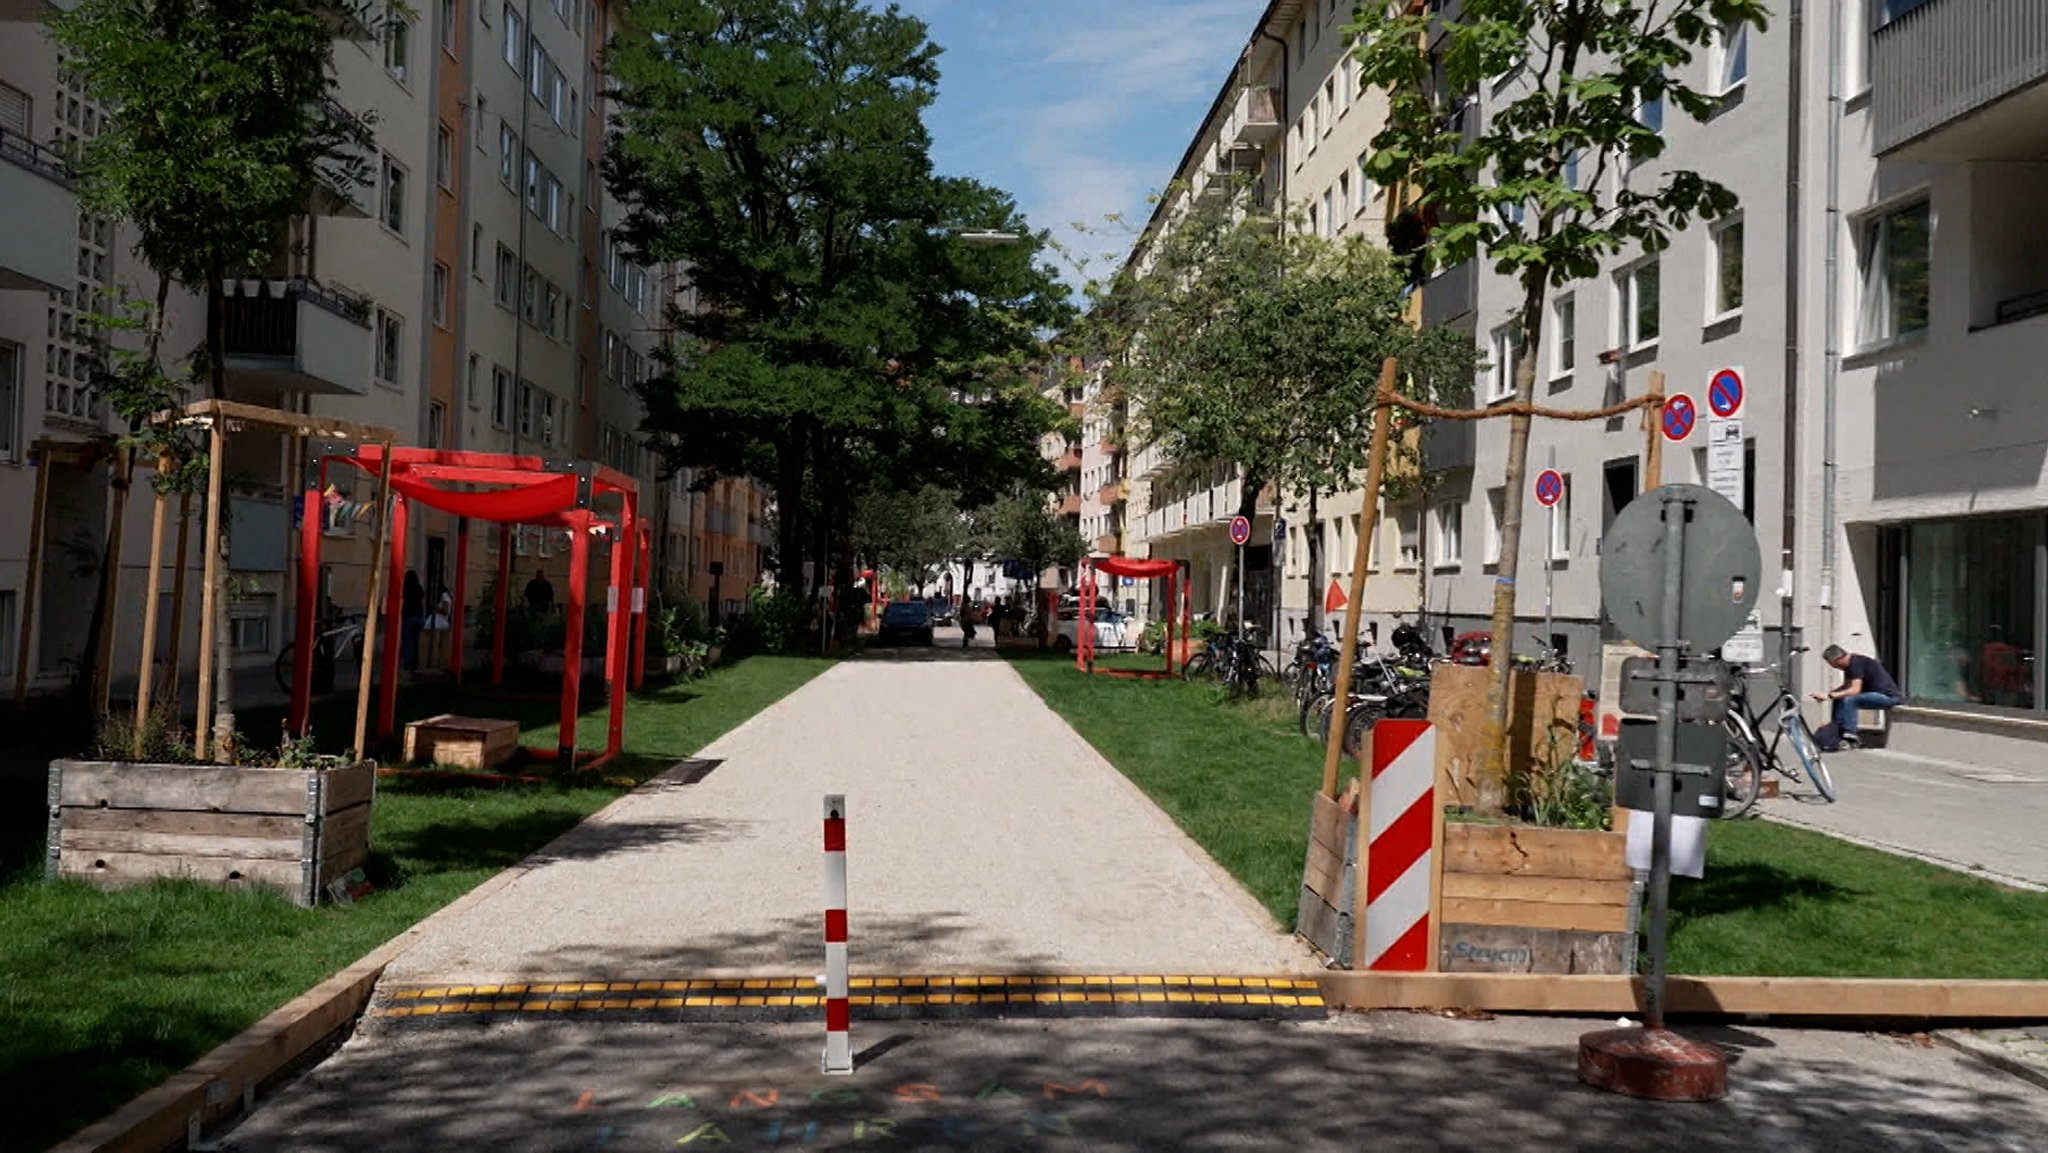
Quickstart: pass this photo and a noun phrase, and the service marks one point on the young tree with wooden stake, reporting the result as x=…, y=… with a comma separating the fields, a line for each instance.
x=1579, y=89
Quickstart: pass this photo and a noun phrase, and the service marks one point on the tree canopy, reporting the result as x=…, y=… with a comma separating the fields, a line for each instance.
x=776, y=150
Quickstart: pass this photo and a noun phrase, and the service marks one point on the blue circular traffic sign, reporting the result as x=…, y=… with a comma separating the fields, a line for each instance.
x=1724, y=393
x=1240, y=530
x=1679, y=417
x=1549, y=488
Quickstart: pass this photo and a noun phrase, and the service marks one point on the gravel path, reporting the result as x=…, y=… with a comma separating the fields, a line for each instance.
x=983, y=834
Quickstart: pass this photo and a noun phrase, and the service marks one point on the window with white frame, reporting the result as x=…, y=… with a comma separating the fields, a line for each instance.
x=1450, y=533
x=1571, y=168
x=547, y=418
x=444, y=156
x=476, y=251
x=1731, y=56
x=390, y=348
x=1329, y=212
x=1365, y=192
x=528, y=409
x=480, y=125
x=1503, y=353
x=533, y=184
x=1638, y=292
x=1315, y=220
x=515, y=38
x=501, y=398
x=1408, y=520
x=472, y=388
x=1561, y=525
x=1350, y=85
x=508, y=153
x=1893, y=256
x=249, y=624
x=437, y=425
x=508, y=278
x=1496, y=516
x=393, y=200
x=397, y=41
x=529, y=297
x=1344, y=192
x=440, y=295
x=447, y=11
x=1330, y=105
x=1564, y=335
x=1725, y=293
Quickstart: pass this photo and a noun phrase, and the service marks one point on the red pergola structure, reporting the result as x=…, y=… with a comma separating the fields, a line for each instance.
x=1176, y=575
x=508, y=490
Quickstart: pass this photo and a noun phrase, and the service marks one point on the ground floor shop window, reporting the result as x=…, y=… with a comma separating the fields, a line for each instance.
x=1971, y=602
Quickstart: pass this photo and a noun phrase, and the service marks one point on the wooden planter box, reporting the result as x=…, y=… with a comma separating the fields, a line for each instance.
x=1522, y=899
x=292, y=830
x=461, y=742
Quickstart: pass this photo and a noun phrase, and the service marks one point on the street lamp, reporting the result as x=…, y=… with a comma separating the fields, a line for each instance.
x=985, y=237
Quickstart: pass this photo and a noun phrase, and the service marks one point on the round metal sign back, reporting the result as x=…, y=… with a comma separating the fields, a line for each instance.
x=1720, y=569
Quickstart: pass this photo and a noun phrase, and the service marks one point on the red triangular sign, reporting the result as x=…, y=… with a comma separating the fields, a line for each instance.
x=1335, y=598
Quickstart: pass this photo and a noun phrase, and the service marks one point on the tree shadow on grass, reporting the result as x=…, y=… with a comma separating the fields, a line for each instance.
x=1748, y=886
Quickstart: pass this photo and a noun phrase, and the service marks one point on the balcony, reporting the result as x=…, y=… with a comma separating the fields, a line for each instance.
x=1960, y=80
x=297, y=336
x=1069, y=461
x=1109, y=543
x=1109, y=447
x=339, y=195
x=1255, y=117
x=1450, y=294
x=1110, y=493
x=1070, y=504
x=39, y=249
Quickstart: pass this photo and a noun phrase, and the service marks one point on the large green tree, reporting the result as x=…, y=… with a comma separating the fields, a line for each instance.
x=1579, y=91
x=911, y=532
x=777, y=150
x=223, y=129
x=1240, y=342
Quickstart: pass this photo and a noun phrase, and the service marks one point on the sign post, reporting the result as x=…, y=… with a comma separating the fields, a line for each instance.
x=1240, y=535
x=1549, y=494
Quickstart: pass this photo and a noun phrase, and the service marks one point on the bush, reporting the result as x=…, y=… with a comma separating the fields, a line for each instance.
x=775, y=622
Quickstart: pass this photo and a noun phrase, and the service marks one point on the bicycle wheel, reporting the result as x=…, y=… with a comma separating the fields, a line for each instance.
x=284, y=667
x=1197, y=667
x=1744, y=771
x=1809, y=755
x=1363, y=717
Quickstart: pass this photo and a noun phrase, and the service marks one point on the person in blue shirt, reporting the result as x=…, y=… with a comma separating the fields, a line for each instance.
x=1865, y=685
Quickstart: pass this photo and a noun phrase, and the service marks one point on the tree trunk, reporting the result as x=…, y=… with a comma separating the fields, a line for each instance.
x=224, y=670
x=1315, y=561
x=790, y=459
x=1495, y=759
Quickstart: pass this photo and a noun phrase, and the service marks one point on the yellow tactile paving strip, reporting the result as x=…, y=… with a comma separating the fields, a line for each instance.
x=885, y=998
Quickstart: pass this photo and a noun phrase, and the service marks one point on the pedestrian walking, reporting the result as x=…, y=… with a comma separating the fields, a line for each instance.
x=966, y=625
x=1865, y=685
x=413, y=614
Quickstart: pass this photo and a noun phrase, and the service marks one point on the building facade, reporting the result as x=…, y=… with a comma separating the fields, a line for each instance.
x=469, y=297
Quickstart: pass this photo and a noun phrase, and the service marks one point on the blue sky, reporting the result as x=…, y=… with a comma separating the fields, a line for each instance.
x=1079, y=108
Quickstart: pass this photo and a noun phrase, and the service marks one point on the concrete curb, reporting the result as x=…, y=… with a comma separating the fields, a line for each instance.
x=1963, y=1041
x=220, y=1083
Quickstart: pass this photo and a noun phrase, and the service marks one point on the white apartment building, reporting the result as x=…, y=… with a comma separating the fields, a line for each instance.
x=470, y=297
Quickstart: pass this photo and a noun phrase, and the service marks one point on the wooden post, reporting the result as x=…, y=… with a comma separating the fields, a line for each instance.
x=1368, y=521
x=202, y=726
x=145, y=670
x=40, y=457
x=173, y=678
x=1653, y=426
x=376, y=594
x=306, y=622
x=110, y=585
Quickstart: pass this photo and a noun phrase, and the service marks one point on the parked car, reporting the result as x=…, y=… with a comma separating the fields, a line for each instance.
x=943, y=613
x=905, y=621
x=1112, y=630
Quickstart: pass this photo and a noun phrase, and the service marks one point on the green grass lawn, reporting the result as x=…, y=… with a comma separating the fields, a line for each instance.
x=103, y=995
x=1776, y=901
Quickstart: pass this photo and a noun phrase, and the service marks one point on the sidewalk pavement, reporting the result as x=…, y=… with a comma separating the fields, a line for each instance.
x=1982, y=821
x=2022, y=1052
x=984, y=835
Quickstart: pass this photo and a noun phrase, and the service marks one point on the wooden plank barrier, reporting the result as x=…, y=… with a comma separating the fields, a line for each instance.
x=1815, y=997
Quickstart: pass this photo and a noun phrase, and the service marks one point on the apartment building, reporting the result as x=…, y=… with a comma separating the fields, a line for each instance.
x=470, y=297
x=1295, y=122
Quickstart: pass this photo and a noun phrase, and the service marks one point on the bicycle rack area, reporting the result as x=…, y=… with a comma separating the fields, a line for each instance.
x=1178, y=577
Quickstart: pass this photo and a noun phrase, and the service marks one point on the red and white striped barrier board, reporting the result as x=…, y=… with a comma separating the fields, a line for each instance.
x=838, y=1012
x=1398, y=866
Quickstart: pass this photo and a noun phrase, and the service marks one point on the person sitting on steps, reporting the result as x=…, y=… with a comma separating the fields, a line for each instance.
x=1865, y=685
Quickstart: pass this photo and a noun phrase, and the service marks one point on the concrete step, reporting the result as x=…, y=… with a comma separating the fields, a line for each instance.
x=2014, y=743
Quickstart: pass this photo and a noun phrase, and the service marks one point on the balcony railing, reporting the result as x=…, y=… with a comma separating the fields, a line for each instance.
x=1451, y=293
x=1948, y=58
x=1255, y=117
x=1070, y=504
x=296, y=335
x=1069, y=461
x=39, y=243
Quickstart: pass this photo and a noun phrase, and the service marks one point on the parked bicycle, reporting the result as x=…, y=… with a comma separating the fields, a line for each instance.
x=1233, y=662
x=1749, y=756
x=345, y=637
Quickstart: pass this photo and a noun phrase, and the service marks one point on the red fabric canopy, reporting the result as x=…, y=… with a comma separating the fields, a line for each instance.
x=530, y=502
x=1127, y=566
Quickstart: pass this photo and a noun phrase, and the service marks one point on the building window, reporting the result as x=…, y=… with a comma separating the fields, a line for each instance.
x=508, y=153
x=526, y=409
x=390, y=348
x=471, y=390
x=501, y=398
x=476, y=251
x=1731, y=56
x=397, y=41
x=1409, y=522
x=448, y=25
x=1637, y=290
x=515, y=37
x=249, y=627
x=440, y=295
x=1365, y=192
x=1504, y=351
x=394, y=196
x=1330, y=105
x=555, y=215
x=547, y=418
x=533, y=171
x=1496, y=516
x=529, y=297
x=1892, y=252
x=1727, y=245
x=10, y=401
x=1970, y=610
x=508, y=277
x=15, y=107
x=1450, y=534
x=1564, y=329
x=1561, y=525
x=444, y=156
x=437, y=424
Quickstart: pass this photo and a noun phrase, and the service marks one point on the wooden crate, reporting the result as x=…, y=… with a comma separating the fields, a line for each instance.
x=1521, y=899
x=1324, y=916
x=1543, y=716
x=463, y=742
x=292, y=830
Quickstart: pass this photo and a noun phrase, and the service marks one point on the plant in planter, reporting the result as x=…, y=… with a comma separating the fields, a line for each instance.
x=294, y=821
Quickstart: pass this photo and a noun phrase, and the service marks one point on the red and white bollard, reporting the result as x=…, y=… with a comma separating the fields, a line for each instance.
x=838, y=1013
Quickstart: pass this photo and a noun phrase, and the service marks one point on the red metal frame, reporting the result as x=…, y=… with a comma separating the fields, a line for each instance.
x=517, y=479
x=1177, y=579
